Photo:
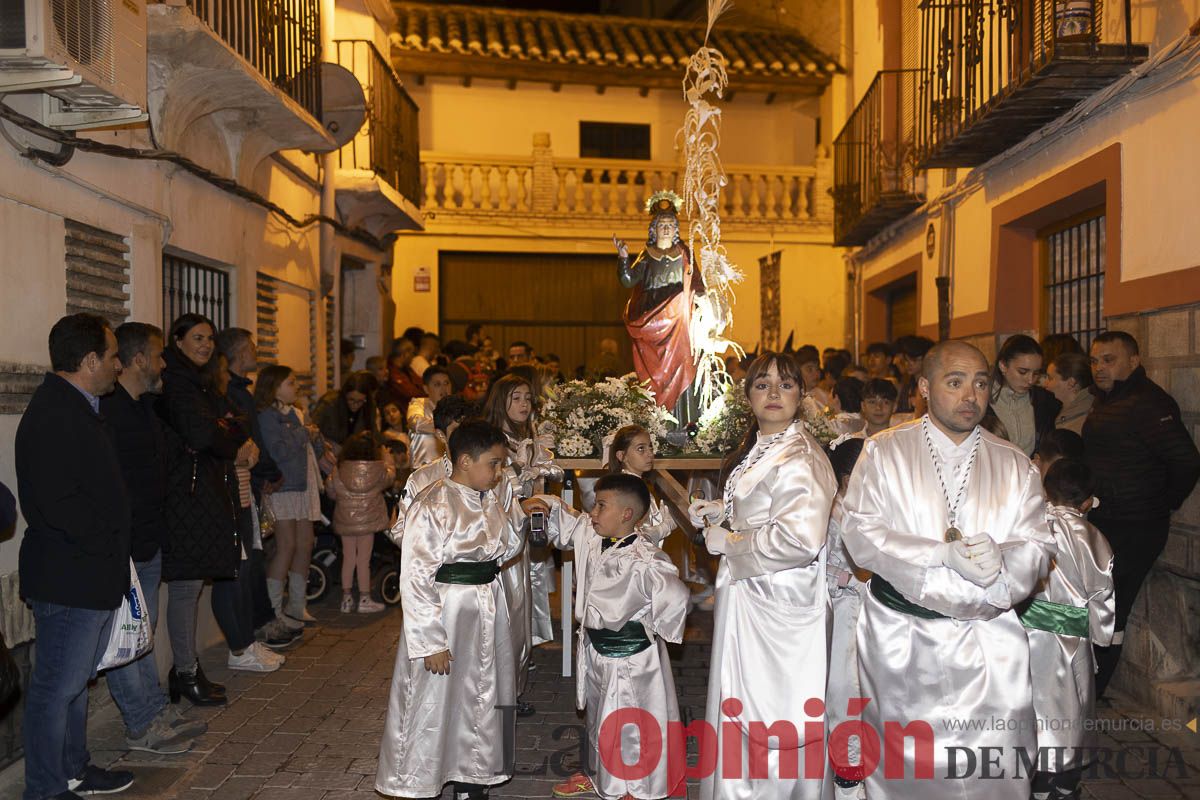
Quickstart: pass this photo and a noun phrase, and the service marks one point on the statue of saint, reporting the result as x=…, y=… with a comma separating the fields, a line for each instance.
x=658, y=316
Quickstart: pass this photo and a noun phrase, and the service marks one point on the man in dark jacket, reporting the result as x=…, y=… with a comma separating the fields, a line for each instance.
x=74, y=562
x=142, y=452
x=1145, y=464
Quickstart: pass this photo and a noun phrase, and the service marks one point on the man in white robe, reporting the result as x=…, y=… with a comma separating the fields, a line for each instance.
x=951, y=521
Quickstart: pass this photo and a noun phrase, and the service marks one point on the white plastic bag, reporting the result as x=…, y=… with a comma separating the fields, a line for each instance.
x=131, y=636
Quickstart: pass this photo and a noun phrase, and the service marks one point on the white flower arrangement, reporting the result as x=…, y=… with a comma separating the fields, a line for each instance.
x=580, y=414
x=724, y=424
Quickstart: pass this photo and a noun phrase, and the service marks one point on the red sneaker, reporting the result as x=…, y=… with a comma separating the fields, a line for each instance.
x=578, y=785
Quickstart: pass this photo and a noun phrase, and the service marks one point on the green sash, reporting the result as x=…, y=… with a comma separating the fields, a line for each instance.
x=888, y=595
x=629, y=641
x=468, y=573
x=1042, y=615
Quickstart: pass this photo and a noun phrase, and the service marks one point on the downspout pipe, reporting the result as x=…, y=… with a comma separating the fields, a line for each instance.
x=327, y=241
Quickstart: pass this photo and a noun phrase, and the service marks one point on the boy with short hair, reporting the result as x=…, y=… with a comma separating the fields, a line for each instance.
x=628, y=599
x=1073, y=609
x=448, y=415
x=454, y=665
x=1056, y=444
x=424, y=447
x=878, y=405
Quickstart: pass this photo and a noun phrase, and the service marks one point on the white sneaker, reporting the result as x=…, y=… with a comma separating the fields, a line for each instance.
x=250, y=661
x=368, y=606
x=347, y=604
x=267, y=654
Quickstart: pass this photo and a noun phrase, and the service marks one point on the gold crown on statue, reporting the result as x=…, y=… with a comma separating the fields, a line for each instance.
x=662, y=201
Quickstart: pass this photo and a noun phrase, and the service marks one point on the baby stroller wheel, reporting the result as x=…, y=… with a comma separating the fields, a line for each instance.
x=320, y=573
x=387, y=586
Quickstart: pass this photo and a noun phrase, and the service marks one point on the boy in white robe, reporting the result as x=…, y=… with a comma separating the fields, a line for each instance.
x=1073, y=608
x=629, y=599
x=454, y=666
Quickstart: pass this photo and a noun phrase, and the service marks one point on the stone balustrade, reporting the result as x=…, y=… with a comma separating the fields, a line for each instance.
x=575, y=190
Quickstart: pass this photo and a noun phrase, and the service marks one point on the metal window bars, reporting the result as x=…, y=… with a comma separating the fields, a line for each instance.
x=1075, y=266
x=390, y=146
x=189, y=287
x=279, y=38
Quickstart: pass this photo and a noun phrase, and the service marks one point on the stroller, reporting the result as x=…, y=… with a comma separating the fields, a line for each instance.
x=325, y=568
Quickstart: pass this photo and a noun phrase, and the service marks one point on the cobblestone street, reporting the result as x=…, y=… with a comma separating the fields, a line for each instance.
x=311, y=730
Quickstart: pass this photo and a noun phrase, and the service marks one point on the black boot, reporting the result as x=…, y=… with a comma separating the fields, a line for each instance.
x=195, y=688
x=215, y=689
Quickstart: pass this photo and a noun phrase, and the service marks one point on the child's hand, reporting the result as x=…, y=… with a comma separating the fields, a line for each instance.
x=439, y=663
x=535, y=504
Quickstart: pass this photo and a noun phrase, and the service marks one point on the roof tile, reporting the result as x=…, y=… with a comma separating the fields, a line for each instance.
x=605, y=41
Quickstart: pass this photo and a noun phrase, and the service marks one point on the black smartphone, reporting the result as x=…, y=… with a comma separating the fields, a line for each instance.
x=537, y=529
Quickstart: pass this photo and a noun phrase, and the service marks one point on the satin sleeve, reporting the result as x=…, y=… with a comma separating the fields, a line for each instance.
x=794, y=532
x=650, y=593
x=564, y=525
x=418, y=420
x=420, y=559
x=542, y=464
x=514, y=520
x=1097, y=565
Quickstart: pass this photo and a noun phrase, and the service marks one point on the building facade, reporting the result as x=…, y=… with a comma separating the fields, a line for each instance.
x=205, y=179
x=543, y=134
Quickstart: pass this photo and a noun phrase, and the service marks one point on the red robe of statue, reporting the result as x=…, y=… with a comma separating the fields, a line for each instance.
x=659, y=322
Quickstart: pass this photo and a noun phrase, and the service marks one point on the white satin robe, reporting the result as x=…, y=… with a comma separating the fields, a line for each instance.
x=424, y=447
x=634, y=581
x=846, y=592
x=527, y=580
x=975, y=664
x=444, y=728
x=418, y=480
x=771, y=623
x=1062, y=666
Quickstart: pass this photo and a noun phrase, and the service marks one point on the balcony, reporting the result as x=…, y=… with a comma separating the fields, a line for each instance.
x=379, y=171
x=995, y=71
x=232, y=81
x=573, y=192
x=875, y=178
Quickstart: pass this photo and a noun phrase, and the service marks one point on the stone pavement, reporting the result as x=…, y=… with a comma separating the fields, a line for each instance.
x=311, y=730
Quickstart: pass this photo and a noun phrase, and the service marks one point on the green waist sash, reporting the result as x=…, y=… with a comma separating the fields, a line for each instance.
x=629, y=641
x=1057, y=618
x=469, y=573
x=888, y=595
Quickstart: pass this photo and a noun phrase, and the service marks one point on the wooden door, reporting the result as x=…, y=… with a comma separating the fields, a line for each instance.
x=563, y=304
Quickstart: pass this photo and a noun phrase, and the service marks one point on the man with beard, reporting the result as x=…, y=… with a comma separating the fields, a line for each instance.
x=951, y=522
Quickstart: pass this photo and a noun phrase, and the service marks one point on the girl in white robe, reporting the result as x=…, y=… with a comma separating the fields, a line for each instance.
x=771, y=626
x=630, y=602
x=633, y=454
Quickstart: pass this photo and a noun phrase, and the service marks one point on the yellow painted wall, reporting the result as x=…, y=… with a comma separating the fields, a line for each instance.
x=487, y=118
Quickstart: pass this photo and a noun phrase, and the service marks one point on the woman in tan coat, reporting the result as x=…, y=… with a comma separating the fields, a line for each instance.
x=363, y=472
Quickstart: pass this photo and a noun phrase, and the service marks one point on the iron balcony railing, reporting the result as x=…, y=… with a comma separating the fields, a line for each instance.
x=279, y=38
x=977, y=53
x=388, y=144
x=875, y=177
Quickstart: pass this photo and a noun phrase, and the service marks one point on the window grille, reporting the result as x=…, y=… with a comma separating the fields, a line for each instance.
x=1075, y=280
x=193, y=288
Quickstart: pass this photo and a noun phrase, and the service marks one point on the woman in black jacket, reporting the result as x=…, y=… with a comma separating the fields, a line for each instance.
x=201, y=513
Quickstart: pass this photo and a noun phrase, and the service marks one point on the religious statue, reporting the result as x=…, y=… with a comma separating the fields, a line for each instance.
x=666, y=285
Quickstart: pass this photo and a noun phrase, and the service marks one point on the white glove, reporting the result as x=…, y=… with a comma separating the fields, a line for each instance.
x=973, y=559
x=705, y=512
x=715, y=539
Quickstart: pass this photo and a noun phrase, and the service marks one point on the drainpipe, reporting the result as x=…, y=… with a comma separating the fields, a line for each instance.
x=328, y=244
x=945, y=262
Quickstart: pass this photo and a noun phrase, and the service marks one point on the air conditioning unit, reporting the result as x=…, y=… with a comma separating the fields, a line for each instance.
x=88, y=57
